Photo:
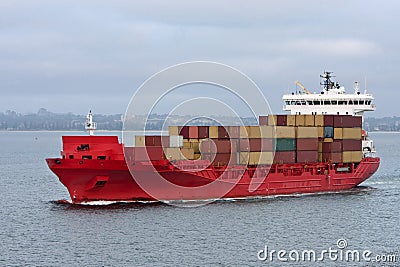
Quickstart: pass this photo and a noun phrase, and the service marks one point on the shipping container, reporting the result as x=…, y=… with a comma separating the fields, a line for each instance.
x=272, y=120
x=186, y=143
x=349, y=121
x=321, y=132
x=290, y=120
x=300, y=120
x=140, y=141
x=333, y=147
x=148, y=153
x=351, y=156
x=234, y=131
x=261, y=158
x=309, y=120
x=281, y=120
x=334, y=157
x=193, y=132
x=285, y=132
x=254, y=131
x=307, y=132
x=257, y=144
x=285, y=157
x=195, y=144
x=267, y=131
x=307, y=156
x=176, y=153
x=319, y=120
x=244, y=131
x=221, y=159
x=223, y=132
x=351, y=145
x=203, y=132
x=156, y=140
x=352, y=133
x=304, y=144
x=173, y=130
x=285, y=144
x=338, y=133
x=219, y=146
x=244, y=158
x=328, y=132
x=176, y=141
x=328, y=120
x=184, y=131
x=262, y=120
x=328, y=140
x=213, y=132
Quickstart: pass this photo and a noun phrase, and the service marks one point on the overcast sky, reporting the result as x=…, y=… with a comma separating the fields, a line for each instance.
x=69, y=56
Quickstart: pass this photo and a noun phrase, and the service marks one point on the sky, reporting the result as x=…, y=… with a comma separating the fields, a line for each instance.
x=71, y=56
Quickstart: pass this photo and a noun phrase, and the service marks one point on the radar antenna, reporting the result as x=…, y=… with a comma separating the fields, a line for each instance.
x=327, y=82
x=90, y=125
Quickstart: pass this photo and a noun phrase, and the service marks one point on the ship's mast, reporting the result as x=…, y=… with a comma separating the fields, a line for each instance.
x=90, y=125
x=327, y=82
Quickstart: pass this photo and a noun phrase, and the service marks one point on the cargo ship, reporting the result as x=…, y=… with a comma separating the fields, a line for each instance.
x=318, y=147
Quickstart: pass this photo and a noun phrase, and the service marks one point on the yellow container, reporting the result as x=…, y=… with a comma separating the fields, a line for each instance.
x=352, y=133
x=285, y=132
x=244, y=158
x=267, y=131
x=261, y=158
x=244, y=132
x=351, y=156
x=328, y=140
x=319, y=157
x=320, y=147
x=319, y=120
x=338, y=133
x=309, y=120
x=173, y=130
x=307, y=132
x=254, y=131
x=320, y=132
x=140, y=141
x=195, y=144
x=187, y=153
x=173, y=153
x=300, y=120
x=291, y=120
x=272, y=120
x=213, y=132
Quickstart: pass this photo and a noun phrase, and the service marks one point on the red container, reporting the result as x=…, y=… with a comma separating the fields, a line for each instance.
x=223, y=132
x=334, y=157
x=217, y=146
x=193, y=132
x=256, y=145
x=351, y=145
x=282, y=157
x=335, y=146
x=307, y=144
x=352, y=121
x=203, y=132
x=263, y=120
x=221, y=159
x=281, y=120
x=307, y=156
x=184, y=131
x=328, y=120
x=156, y=140
x=154, y=153
x=234, y=131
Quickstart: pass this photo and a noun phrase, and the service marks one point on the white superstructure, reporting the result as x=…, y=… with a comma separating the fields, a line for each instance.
x=333, y=99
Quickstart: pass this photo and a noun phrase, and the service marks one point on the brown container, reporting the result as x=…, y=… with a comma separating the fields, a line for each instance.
x=338, y=121
x=351, y=145
x=234, y=131
x=223, y=132
x=309, y=120
x=154, y=140
x=334, y=157
x=258, y=158
x=352, y=133
x=333, y=147
x=300, y=120
x=307, y=144
x=307, y=156
x=184, y=131
x=281, y=120
x=290, y=120
x=328, y=120
x=351, y=156
x=307, y=132
x=256, y=145
x=203, y=132
x=173, y=130
x=319, y=120
x=351, y=121
x=213, y=132
x=219, y=146
x=263, y=120
x=283, y=157
x=285, y=132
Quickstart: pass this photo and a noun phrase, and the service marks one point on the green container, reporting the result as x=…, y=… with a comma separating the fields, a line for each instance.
x=285, y=144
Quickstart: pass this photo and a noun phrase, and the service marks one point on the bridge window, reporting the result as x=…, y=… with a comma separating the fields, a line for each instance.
x=317, y=102
x=327, y=102
x=101, y=157
x=361, y=102
x=334, y=102
x=342, y=102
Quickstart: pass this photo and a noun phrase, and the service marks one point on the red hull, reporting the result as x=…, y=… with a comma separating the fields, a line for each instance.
x=110, y=179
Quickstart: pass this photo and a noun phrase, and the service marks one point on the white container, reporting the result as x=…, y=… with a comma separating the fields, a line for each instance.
x=175, y=141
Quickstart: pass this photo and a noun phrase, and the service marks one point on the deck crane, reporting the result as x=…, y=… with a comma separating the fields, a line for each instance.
x=302, y=87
